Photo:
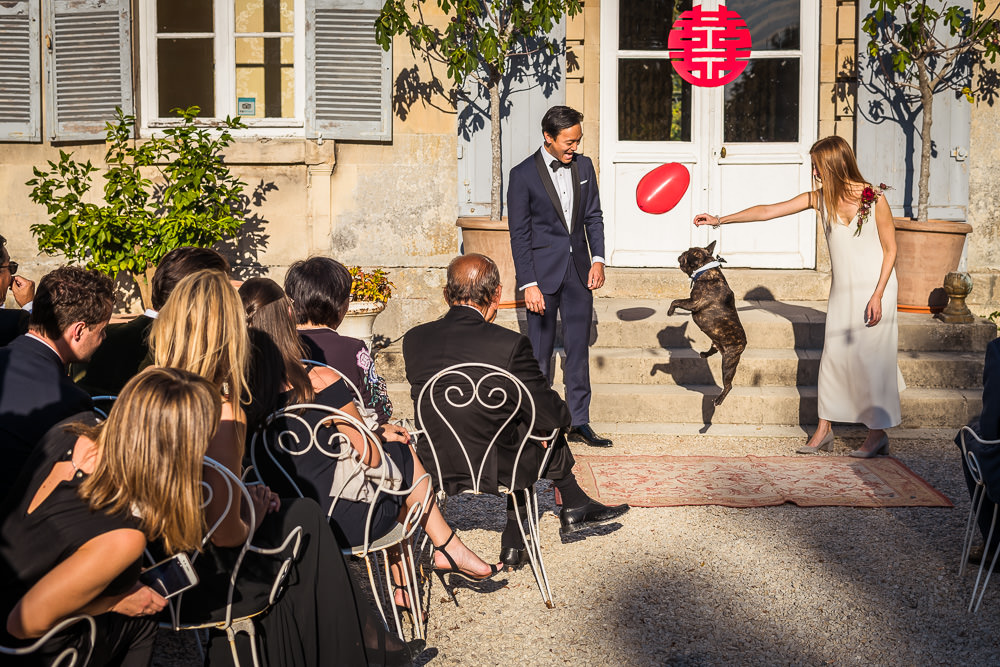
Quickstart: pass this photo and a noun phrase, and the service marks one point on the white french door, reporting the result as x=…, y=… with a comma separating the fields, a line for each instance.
x=744, y=143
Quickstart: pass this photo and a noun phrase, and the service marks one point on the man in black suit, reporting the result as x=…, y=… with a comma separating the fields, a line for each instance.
x=13, y=322
x=466, y=334
x=125, y=350
x=557, y=239
x=72, y=307
x=988, y=456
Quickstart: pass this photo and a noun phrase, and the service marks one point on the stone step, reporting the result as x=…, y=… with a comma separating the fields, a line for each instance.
x=772, y=284
x=635, y=403
x=644, y=323
x=758, y=367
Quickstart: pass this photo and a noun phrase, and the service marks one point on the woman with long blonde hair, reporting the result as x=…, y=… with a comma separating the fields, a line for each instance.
x=859, y=379
x=321, y=618
x=77, y=522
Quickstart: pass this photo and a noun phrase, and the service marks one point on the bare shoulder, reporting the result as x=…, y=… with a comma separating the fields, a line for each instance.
x=322, y=377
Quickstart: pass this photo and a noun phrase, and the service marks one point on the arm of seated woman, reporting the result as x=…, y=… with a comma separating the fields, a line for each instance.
x=75, y=585
x=322, y=377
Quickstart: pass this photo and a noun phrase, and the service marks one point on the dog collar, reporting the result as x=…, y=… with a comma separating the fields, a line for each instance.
x=710, y=265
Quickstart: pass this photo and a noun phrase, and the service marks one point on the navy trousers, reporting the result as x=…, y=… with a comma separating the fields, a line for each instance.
x=575, y=303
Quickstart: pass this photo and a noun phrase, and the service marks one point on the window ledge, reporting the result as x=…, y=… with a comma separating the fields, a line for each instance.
x=279, y=151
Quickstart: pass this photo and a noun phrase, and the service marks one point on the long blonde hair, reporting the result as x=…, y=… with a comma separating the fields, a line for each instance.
x=151, y=450
x=839, y=175
x=202, y=329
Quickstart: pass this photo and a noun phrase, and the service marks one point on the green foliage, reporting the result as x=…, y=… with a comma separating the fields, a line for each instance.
x=912, y=40
x=480, y=36
x=196, y=202
x=372, y=285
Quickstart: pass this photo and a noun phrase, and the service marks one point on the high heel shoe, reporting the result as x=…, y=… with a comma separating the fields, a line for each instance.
x=417, y=616
x=881, y=448
x=453, y=567
x=825, y=445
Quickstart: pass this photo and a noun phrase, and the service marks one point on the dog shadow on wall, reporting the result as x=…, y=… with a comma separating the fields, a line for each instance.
x=688, y=368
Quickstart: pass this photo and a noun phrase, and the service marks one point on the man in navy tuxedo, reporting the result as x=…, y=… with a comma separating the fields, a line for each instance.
x=13, y=321
x=557, y=239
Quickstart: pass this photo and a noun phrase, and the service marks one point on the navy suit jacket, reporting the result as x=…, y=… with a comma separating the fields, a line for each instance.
x=540, y=239
x=35, y=395
x=13, y=323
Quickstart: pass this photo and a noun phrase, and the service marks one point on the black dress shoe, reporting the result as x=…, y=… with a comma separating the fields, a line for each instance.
x=583, y=433
x=513, y=557
x=577, y=518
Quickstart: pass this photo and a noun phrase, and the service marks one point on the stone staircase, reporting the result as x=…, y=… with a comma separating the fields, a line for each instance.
x=648, y=378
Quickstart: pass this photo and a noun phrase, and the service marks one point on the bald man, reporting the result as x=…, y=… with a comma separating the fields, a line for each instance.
x=466, y=334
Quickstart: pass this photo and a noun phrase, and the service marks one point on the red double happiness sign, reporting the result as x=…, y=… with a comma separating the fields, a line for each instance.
x=709, y=47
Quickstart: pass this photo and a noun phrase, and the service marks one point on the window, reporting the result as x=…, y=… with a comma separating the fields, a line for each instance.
x=299, y=68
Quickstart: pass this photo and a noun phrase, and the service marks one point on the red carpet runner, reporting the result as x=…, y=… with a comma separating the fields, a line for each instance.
x=754, y=481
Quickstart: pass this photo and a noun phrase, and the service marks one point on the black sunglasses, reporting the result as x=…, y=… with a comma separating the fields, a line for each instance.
x=10, y=266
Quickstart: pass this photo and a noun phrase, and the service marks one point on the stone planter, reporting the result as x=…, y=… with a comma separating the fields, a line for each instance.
x=926, y=253
x=491, y=238
x=360, y=320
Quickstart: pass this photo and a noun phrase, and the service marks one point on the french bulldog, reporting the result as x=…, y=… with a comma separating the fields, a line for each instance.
x=713, y=309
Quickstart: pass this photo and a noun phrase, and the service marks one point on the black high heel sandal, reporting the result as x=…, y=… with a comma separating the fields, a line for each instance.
x=454, y=569
x=419, y=616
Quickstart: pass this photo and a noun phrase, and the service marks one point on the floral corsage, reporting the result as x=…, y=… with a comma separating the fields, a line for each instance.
x=869, y=196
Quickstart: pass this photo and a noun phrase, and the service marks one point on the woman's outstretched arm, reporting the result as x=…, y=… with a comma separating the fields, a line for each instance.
x=762, y=211
x=887, y=237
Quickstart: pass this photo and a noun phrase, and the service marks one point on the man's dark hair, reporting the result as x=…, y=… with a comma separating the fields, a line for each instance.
x=178, y=263
x=319, y=287
x=557, y=119
x=71, y=294
x=473, y=279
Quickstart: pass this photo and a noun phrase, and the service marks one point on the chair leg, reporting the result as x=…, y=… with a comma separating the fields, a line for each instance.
x=982, y=564
x=408, y=566
x=970, y=525
x=532, y=543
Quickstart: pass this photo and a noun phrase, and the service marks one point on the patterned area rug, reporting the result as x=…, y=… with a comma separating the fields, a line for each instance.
x=754, y=481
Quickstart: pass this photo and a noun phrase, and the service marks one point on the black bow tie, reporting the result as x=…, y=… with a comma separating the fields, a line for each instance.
x=556, y=165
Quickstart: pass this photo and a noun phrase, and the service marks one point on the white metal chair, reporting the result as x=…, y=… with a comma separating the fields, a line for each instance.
x=971, y=523
x=68, y=657
x=494, y=389
x=279, y=438
x=289, y=548
x=103, y=399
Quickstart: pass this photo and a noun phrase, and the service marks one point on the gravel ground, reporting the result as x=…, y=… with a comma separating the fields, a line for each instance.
x=717, y=586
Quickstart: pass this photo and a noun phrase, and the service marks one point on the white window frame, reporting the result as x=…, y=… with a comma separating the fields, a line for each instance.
x=225, y=73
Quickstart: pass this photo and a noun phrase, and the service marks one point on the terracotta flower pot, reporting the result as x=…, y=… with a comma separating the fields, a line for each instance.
x=492, y=238
x=926, y=253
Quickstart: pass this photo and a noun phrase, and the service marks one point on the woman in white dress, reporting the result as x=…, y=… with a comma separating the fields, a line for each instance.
x=859, y=379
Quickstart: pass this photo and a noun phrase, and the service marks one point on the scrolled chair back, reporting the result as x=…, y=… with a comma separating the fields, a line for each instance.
x=488, y=394
x=69, y=656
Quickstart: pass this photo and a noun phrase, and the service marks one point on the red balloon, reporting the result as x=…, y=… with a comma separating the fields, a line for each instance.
x=661, y=189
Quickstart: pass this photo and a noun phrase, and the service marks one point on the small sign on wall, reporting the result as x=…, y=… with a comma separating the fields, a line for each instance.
x=246, y=106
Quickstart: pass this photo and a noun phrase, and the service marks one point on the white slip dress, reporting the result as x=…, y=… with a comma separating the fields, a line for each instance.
x=859, y=377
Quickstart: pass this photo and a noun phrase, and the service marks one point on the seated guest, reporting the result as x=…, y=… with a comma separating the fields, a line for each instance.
x=466, y=334
x=72, y=306
x=13, y=322
x=988, y=456
x=125, y=350
x=321, y=618
x=74, y=530
x=320, y=289
x=277, y=379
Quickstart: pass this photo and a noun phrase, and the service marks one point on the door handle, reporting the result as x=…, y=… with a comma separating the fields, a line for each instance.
x=722, y=153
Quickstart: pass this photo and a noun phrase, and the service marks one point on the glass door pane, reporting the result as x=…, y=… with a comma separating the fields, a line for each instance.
x=762, y=104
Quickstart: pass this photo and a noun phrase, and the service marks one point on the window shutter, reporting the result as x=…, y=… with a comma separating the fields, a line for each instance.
x=88, y=66
x=348, y=75
x=20, y=73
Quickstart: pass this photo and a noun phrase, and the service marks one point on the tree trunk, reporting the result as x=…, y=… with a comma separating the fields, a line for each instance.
x=926, y=103
x=496, y=203
x=145, y=283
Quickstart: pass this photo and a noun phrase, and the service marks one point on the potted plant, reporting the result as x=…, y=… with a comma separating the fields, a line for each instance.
x=478, y=42
x=923, y=48
x=196, y=201
x=369, y=293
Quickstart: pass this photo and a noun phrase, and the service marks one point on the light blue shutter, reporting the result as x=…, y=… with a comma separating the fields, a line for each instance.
x=20, y=72
x=348, y=75
x=533, y=84
x=887, y=138
x=88, y=66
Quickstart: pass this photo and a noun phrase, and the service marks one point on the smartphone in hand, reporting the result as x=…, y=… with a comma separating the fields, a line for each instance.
x=170, y=576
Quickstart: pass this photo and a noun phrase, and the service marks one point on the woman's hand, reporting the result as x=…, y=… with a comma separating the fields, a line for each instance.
x=264, y=502
x=140, y=601
x=873, y=311
x=393, y=433
x=706, y=219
